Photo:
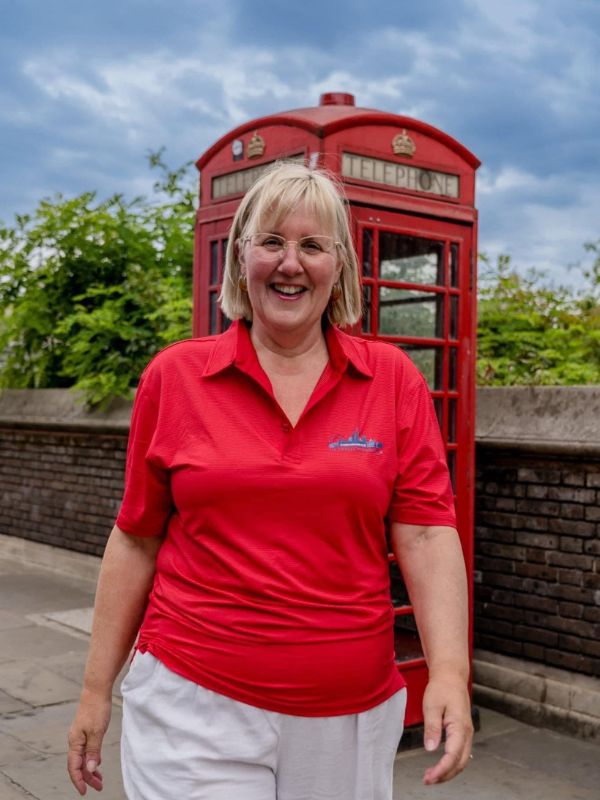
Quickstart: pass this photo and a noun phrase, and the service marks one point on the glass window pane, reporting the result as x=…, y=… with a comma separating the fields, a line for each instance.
x=213, y=312
x=366, y=318
x=409, y=259
x=452, y=369
x=214, y=262
x=429, y=361
x=454, y=316
x=367, y=255
x=406, y=638
x=452, y=468
x=438, y=404
x=452, y=420
x=405, y=312
x=454, y=265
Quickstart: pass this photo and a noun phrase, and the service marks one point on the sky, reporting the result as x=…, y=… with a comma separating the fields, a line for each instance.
x=88, y=88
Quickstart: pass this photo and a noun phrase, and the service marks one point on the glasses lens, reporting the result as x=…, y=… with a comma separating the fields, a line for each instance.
x=269, y=245
x=315, y=246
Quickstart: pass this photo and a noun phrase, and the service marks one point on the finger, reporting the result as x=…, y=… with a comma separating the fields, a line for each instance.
x=75, y=761
x=93, y=779
x=445, y=769
x=432, y=721
x=75, y=768
x=93, y=752
x=456, y=755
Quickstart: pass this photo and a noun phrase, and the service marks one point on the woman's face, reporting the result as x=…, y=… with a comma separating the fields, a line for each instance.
x=289, y=292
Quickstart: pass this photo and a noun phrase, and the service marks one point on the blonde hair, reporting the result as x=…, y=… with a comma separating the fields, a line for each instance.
x=275, y=195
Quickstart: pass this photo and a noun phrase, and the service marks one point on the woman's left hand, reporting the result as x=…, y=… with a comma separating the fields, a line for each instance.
x=447, y=708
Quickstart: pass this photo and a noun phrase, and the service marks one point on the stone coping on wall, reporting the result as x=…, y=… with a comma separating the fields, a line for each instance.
x=60, y=409
x=557, y=419
x=542, y=419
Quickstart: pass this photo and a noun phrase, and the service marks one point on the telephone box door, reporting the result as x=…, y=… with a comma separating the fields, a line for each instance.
x=418, y=294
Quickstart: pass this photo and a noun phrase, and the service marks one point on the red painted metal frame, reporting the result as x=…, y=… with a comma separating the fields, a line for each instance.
x=322, y=135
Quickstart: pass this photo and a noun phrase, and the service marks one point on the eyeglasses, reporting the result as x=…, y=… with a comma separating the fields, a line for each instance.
x=272, y=247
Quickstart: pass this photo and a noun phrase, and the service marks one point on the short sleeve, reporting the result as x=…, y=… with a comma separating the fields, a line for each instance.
x=147, y=503
x=422, y=492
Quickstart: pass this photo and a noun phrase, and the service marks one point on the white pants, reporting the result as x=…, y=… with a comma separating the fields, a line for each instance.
x=184, y=742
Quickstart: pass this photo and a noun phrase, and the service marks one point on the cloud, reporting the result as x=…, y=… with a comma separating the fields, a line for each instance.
x=87, y=93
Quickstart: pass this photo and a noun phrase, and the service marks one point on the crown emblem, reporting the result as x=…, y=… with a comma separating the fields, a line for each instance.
x=256, y=146
x=403, y=145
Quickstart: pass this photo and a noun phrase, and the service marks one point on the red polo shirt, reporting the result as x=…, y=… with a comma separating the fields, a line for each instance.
x=272, y=583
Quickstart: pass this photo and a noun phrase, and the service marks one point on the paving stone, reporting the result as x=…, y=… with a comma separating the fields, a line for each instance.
x=495, y=724
x=45, y=729
x=504, y=769
x=559, y=757
x=486, y=778
x=34, y=684
x=41, y=591
x=37, y=642
x=80, y=619
x=68, y=665
x=10, y=791
x=9, y=704
x=10, y=620
x=47, y=779
x=12, y=751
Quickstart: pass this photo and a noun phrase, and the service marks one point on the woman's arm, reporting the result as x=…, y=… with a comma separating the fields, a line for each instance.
x=124, y=584
x=433, y=568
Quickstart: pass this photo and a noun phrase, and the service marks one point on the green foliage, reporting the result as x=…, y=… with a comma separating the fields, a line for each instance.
x=90, y=289
x=532, y=333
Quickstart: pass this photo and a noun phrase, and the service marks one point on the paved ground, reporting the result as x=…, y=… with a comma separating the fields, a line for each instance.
x=43, y=619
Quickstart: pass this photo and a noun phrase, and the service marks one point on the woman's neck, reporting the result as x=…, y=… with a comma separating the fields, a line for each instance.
x=289, y=353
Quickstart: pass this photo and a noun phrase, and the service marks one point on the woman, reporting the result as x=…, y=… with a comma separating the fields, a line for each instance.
x=263, y=466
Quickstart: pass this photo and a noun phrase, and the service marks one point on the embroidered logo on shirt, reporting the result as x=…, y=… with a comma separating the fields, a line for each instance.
x=356, y=442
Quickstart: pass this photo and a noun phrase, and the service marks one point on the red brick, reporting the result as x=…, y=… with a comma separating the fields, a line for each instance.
x=572, y=511
x=528, y=475
x=542, y=540
x=570, y=560
x=572, y=577
x=538, y=635
x=572, y=495
x=573, y=478
x=574, y=610
x=540, y=571
x=572, y=527
x=533, y=651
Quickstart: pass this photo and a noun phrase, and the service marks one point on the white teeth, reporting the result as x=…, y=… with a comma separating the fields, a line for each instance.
x=288, y=289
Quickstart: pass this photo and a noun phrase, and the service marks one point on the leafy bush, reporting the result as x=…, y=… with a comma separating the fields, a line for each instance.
x=90, y=290
x=532, y=333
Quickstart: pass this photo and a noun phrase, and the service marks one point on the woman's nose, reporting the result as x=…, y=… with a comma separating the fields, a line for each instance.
x=290, y=262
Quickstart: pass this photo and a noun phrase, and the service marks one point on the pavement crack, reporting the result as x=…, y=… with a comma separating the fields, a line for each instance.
x=19, y=786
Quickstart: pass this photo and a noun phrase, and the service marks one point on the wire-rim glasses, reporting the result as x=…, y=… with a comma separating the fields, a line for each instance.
x=272, y=247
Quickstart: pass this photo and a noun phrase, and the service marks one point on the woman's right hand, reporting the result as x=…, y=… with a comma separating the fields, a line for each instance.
x=85, y=741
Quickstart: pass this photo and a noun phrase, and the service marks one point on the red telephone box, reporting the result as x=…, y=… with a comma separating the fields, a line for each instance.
x=411, y=191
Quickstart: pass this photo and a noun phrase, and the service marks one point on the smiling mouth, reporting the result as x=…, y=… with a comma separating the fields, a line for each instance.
x=289, y=291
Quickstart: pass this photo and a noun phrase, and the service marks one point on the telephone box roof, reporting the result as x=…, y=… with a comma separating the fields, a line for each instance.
x=336, y=112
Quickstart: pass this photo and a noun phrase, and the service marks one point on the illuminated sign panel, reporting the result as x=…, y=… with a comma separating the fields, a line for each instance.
x=241, y=180
x=400, y=176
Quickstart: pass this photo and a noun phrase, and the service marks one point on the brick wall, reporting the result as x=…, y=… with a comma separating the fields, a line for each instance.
x=537, y=548
x=60, y=488
x=537, y=543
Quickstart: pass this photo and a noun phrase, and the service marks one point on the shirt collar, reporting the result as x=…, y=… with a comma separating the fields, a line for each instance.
x=235, y=347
